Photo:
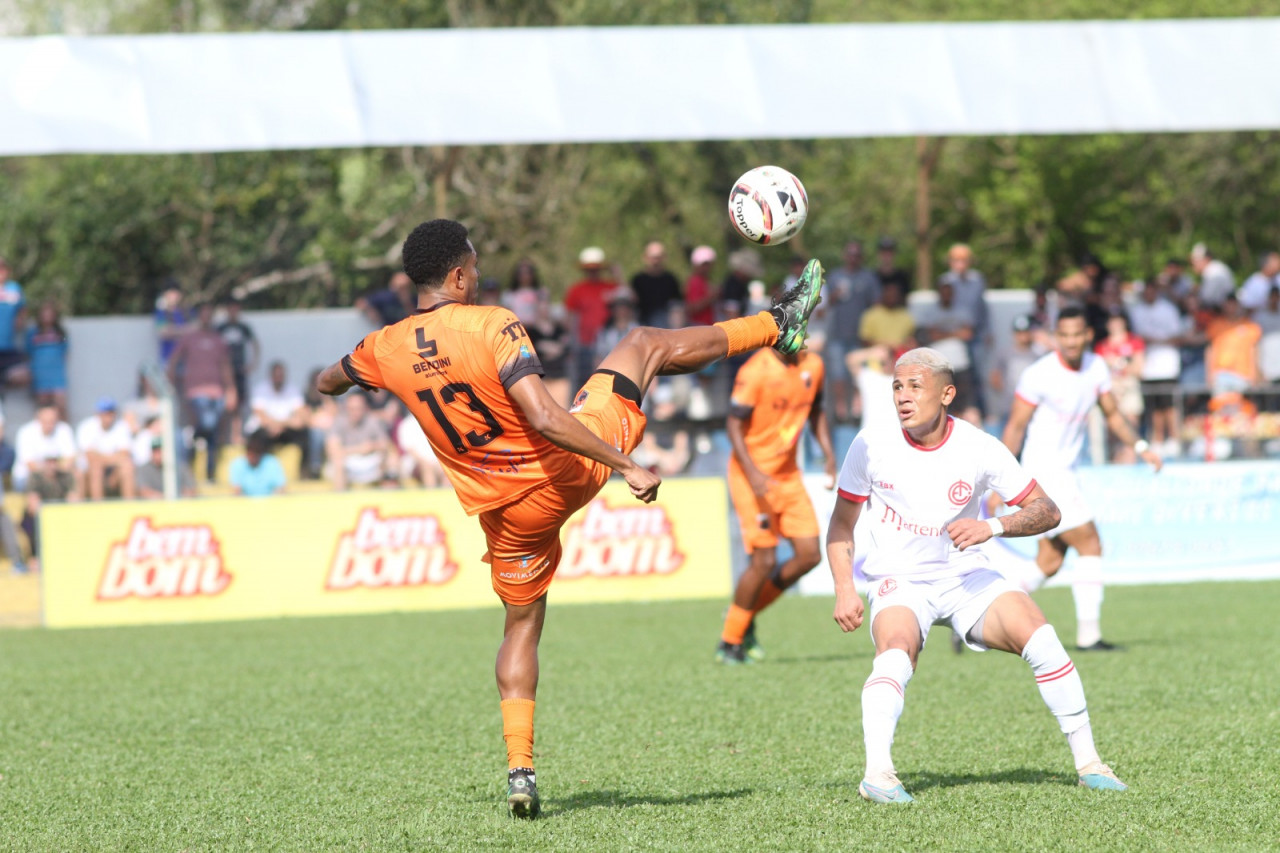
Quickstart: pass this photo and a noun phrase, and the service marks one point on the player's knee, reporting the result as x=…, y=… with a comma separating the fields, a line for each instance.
x=1050, y=561
x=807, y=558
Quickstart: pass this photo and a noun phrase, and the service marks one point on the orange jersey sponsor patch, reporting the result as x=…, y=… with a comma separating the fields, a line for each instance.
x=779, y=397
x=451, y=366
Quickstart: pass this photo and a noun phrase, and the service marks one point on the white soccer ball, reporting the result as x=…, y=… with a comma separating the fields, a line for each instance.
x=768, y=205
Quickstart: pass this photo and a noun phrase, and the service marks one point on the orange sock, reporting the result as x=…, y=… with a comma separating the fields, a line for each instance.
x=517, y=731
x=735, y=624
x=748, y=333
x=768, y=595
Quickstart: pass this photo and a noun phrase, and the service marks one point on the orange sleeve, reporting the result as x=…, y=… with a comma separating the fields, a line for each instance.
x=512, y=350
x=361, y=365
x=746, y=389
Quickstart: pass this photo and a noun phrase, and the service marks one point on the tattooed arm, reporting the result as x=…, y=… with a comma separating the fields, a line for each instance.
x=1036, y=514
x=848, y=613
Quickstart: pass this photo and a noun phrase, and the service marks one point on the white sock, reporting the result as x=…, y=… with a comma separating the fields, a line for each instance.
x=1062, y=690
x=882, y=700
x=1086, y=589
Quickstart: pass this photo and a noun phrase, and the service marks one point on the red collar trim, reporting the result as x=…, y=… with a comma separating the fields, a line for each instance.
x=951, y=422
x=1063, y=362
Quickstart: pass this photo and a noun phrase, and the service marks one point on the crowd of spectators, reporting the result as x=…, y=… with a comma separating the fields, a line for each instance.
x=1185, y=330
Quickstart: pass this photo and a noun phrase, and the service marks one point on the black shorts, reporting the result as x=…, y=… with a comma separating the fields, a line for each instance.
x=1155, y=393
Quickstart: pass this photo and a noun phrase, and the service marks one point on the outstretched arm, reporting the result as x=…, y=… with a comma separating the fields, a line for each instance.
x=333, y=380
x=567, y=432
x=1120, y=428
x=849, y=607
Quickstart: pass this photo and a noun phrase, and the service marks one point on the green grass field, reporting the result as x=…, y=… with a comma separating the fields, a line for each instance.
x=384, y=733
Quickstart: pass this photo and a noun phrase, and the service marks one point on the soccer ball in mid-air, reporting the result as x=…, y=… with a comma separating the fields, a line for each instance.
x=768, y=205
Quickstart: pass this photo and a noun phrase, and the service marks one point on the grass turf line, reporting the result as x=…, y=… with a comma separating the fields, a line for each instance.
x=383, y=732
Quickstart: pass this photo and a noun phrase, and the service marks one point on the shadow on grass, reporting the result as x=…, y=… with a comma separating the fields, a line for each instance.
x=616, y=800
x=794, y=659
x=914, y=782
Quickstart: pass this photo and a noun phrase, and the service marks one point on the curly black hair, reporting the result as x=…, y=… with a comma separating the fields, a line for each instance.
x=434, y=248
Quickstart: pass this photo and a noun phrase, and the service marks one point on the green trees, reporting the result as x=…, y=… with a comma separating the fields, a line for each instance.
x=102, y=234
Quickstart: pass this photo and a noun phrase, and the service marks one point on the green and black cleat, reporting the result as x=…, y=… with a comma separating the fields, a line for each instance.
x=730, y=653
x=791, y=310
x=522, y=794
x=751, y=644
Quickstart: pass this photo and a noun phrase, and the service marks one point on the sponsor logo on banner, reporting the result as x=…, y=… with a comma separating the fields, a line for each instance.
x=609, y=542
x=164, y=561
x=397, y=551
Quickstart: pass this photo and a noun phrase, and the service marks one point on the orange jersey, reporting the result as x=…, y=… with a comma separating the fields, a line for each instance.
x=780, y=397
x=452, y=366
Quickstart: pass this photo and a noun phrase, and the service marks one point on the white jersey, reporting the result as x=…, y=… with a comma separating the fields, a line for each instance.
x=1063, y=398
x=912, y=493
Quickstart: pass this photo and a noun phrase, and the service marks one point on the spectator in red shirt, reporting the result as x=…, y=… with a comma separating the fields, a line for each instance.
x=1124, y=352
x=588, y=301
x=699, y=295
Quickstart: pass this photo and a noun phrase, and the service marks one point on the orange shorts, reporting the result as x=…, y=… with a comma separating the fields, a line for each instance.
x=785, y=511
x=524, y=536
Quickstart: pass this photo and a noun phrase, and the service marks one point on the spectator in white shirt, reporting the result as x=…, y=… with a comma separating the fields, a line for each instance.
x=1156, y=320
x=1253, y=293
x=1216, y=279
x=106, y=453
x=280, y=412
x=43, y=439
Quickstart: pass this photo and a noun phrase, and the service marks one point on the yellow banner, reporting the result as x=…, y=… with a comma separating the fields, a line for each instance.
x=132, y=563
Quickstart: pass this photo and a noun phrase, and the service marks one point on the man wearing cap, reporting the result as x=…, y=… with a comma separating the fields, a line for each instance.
x=588, y=301
x=1009, y=362
x=151, y=475
x=699, y=295
x=105, y=460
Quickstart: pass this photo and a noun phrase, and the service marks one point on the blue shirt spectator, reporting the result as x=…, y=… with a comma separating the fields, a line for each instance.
x=171, y=321
x=12, y=303
x=47, y=351
x=257, y=473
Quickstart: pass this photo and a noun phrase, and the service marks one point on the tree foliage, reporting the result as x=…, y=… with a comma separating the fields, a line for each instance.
x=103, y=234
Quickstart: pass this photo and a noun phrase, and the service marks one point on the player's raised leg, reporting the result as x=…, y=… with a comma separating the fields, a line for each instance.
x=1013, y=623
x=897, y=636
x=517, y=672
x=647, y=352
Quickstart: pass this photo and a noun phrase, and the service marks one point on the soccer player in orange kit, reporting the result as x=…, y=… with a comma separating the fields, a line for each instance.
x=471, y=378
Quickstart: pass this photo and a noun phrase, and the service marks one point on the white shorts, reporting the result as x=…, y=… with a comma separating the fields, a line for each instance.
x=1063, y=488
x=957, y=601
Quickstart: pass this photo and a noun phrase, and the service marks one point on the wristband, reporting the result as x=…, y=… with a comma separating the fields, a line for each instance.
x=997, y=529
x=1141, y=446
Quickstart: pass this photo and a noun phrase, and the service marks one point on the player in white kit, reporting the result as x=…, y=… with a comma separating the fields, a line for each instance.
x=1050, y=411
x=921, y=487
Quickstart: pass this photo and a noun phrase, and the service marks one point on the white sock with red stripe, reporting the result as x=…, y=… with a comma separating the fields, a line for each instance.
x=1086, y=590
x=1062, y=691
x=882, y=700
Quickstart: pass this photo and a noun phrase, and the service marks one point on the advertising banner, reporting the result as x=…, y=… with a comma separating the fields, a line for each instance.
x=1190, y=522
x=123, y=563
